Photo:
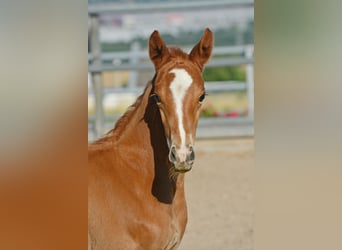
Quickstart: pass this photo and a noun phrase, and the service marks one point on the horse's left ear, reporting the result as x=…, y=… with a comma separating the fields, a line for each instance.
x=157, y=50
x=201, y=53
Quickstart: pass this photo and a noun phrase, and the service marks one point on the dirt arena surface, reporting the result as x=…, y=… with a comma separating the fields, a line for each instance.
x=219, y=193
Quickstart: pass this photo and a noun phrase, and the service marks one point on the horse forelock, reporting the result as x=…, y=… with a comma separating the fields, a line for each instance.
x=177, y=53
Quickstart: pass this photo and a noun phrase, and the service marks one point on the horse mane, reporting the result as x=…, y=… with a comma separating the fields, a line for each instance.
x=115, y=133
x=126, y=117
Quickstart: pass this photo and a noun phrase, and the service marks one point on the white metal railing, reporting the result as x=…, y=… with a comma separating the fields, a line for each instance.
x=143, y=54
x=166, y=7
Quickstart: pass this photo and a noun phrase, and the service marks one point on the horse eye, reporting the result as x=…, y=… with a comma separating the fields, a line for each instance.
x=201, y=98
x=156, y=98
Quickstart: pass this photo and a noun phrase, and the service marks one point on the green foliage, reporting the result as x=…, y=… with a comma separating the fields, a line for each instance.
x=112, y=47
x=234, y=73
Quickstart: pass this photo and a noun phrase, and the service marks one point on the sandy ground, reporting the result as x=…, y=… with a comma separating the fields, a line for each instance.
x=219, y=192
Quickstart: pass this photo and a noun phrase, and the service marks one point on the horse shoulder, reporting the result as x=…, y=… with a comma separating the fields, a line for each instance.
x=121, y=207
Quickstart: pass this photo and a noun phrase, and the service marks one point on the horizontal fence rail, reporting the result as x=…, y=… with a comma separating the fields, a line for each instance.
x=147, y=65
x=143, y=54
x=210, y=87
x=166, y=7
x=220, y=62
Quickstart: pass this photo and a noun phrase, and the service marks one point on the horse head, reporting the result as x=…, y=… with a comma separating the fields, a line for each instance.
x=178, y=91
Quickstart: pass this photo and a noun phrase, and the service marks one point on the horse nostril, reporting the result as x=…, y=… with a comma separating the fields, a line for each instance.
x=191, y=155
x=172, y=155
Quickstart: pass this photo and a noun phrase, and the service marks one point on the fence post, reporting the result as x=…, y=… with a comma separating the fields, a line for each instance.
x=95, y=49
x=134, y=59
x=250, y=81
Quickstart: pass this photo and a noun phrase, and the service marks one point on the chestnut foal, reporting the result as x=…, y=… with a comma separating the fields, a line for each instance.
x=136, y=172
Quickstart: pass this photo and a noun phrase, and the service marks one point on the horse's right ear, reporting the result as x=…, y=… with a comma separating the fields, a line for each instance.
x=157, y=49
x=201, y=53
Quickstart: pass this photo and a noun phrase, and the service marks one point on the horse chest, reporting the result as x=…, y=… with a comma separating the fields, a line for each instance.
x=163, y=228
x=154, y=224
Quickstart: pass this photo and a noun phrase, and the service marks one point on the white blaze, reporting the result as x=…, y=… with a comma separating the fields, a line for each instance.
x=179, y=86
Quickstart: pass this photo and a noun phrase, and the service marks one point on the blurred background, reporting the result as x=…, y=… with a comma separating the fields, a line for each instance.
x=298, y=139
x=119, y=66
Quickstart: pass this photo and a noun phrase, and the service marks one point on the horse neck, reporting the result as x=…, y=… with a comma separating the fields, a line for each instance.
x=144, y=130
x=166, y=183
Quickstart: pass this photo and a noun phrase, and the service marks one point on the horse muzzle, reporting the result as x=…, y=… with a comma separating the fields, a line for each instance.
x=182, y=158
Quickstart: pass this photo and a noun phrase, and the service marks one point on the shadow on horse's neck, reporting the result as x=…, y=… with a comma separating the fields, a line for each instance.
x=142, y=124
x=164, y=185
